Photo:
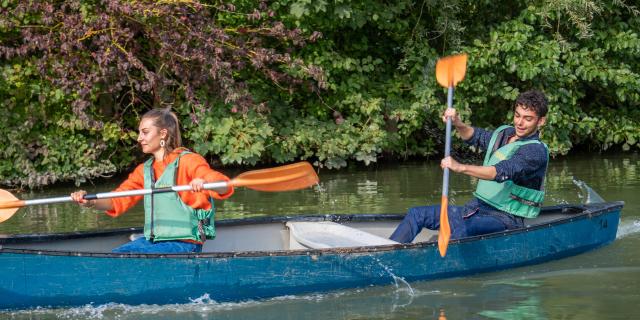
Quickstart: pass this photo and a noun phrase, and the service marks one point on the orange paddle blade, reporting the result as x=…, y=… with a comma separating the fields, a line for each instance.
x=445, y=230
x=8, y=205
x=284, y=178
x=451, y=70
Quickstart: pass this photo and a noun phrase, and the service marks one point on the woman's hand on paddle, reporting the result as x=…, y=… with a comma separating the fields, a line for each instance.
x=78, y=197
x=197, y=184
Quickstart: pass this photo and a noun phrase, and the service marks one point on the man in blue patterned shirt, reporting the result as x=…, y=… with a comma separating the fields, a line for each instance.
x=511, y=185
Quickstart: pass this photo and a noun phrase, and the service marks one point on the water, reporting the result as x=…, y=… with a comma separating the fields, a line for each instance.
x=602, y=284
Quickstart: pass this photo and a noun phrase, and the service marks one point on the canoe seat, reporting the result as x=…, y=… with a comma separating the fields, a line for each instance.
x=327, y=234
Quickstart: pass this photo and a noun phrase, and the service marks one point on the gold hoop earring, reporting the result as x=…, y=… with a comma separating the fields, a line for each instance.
x=162, y=143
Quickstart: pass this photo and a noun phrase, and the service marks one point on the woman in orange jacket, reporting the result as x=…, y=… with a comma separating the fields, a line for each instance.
x=174, y=222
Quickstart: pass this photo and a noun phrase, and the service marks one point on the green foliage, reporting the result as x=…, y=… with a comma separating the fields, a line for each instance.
x=43, y=142
x=331, y=144
x=591, y=78
x=235, y=138
x=337, y=82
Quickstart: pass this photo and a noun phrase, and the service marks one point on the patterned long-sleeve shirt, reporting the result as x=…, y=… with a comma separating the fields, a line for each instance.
x=525, y=168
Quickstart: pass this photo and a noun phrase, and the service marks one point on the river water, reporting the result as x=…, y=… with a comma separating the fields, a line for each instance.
x=602, y=284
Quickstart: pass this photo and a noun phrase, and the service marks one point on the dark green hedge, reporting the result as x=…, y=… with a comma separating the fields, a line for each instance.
x=329, y=81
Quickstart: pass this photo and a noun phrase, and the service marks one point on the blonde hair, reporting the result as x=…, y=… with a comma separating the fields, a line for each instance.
x=166, y=119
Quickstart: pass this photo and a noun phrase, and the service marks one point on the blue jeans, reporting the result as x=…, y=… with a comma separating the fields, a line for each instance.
x=472, y=219
x=142, y=245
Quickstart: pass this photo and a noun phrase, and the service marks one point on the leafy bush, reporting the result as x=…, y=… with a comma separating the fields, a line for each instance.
x=329, y=81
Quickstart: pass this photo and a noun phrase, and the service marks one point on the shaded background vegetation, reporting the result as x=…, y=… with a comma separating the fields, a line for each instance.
x=333, y=82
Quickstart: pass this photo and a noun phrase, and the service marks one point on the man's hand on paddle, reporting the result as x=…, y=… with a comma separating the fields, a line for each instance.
x=451, y=113
x=465, y=131
x=449, y=162
x=452, y=164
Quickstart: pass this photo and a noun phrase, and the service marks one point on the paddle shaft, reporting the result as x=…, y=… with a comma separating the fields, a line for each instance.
x=289, y=177
x=128, y=193
x=447, y=144
x=449, y=71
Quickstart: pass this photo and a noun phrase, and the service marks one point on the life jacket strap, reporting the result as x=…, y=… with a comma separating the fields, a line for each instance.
x=525, y=201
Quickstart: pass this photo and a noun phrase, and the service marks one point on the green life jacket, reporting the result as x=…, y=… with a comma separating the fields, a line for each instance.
x=166, y=216
x=508, y=196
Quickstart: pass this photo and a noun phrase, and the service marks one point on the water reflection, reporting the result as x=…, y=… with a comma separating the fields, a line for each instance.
x=442, y=316
x=526, y=309
x=367, y=187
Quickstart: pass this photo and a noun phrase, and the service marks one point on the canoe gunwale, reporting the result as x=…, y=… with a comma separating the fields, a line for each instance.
x=575, y=212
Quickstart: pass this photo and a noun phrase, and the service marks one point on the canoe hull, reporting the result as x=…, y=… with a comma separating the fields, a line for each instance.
x=31, y=278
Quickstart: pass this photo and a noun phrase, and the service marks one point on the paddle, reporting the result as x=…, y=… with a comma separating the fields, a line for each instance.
x=284, y=178
x=449, y=71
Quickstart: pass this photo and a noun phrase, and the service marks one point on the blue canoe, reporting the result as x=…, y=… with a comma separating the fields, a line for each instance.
x=267, y=257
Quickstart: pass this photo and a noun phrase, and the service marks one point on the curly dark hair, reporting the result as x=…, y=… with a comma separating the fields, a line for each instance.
x=534, y=100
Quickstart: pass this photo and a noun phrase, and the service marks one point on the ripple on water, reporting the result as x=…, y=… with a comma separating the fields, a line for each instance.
x=201, y=305
x=204, y=307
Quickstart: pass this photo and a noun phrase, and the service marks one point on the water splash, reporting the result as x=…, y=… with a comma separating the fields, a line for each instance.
x=124, y=311
x=625, y=228
x=553, y=199
x=319, y=188
x=628, y=228
x=199, y=307
x=397, y=280
x=588, y=194
x=401, y=285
